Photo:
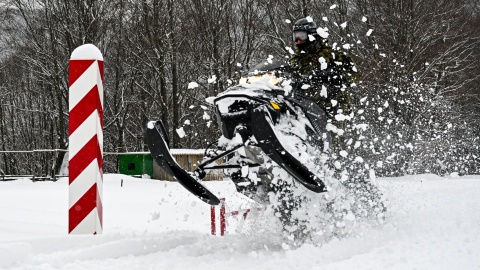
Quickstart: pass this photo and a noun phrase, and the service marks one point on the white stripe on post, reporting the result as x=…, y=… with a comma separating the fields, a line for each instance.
x=85, y=140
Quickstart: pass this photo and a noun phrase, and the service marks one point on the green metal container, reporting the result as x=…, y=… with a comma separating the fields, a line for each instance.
x=136, y=164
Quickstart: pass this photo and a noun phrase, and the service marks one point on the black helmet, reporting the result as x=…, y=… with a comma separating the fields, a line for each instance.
x=301, y=29
x=305, y=25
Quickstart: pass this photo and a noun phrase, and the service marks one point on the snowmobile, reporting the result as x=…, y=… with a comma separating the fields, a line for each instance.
x=255, y=120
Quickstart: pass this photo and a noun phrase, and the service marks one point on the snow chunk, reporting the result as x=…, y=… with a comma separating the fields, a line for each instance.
x=213, y=79
x=270, y=58
x=334, y=102
x=325, y=19
x=343, y=25
x=290, y=50
x=287, y=87
x=323, y=63
x=180, y=132
x=357, y=144
x=337, y=164
x=343, y=153
x=206, y=116
x=361, y=126
x=364, y=19
x=323, y=92
x=341, y=117
x=370, y=31
x=323, y=32
x=334, y=129
x=333, y=6
x=359, y=159
x=187, y=122
x=151, y=125
x=192, y=85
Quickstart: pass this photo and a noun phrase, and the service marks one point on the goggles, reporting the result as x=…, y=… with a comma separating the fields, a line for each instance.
x=300, y=35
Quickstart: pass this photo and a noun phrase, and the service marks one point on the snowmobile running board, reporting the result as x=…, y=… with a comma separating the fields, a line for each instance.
x=158, y=146
x=262, y=129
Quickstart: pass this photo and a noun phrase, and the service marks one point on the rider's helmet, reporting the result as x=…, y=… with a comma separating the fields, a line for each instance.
x=302, y=30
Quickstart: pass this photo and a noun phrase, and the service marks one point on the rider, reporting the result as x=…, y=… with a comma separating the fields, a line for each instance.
x=320, y=72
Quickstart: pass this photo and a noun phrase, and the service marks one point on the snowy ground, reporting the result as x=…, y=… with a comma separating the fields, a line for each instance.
x=433, y=223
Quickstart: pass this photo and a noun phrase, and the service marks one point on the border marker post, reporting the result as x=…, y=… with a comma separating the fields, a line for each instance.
x=85, y=126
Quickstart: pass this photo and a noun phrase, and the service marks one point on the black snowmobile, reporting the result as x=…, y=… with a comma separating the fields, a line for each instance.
x=252, y=118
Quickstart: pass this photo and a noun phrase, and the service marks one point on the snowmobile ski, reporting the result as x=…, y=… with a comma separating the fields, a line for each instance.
x=262, y=129
x=157, y=143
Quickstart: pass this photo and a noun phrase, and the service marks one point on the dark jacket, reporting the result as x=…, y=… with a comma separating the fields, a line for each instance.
x=318, y=64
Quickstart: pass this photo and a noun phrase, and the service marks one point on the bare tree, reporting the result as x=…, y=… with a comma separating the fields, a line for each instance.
x=418, y=60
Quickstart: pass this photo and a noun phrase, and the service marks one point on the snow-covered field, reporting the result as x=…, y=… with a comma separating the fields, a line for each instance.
x=432, y=223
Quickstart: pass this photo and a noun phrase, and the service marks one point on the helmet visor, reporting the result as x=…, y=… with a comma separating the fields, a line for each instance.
x=300, y=35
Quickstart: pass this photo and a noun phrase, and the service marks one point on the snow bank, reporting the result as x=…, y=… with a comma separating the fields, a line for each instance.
x=432, y=223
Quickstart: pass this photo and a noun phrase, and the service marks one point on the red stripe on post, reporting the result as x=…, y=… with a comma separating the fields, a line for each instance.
x=77, y=68
x=84, y=109
x=83, y=158
x=100, y=65
x=82, y=208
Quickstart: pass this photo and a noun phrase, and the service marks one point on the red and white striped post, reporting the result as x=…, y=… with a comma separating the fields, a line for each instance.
x=85, y=140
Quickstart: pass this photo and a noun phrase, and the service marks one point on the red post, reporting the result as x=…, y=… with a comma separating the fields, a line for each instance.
x=85, y=140
x=212, y=220
x=222, y=218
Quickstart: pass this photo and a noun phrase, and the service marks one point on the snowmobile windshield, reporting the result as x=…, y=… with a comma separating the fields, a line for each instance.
x=250, y=91
x=300, y=35
x=268, y=78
